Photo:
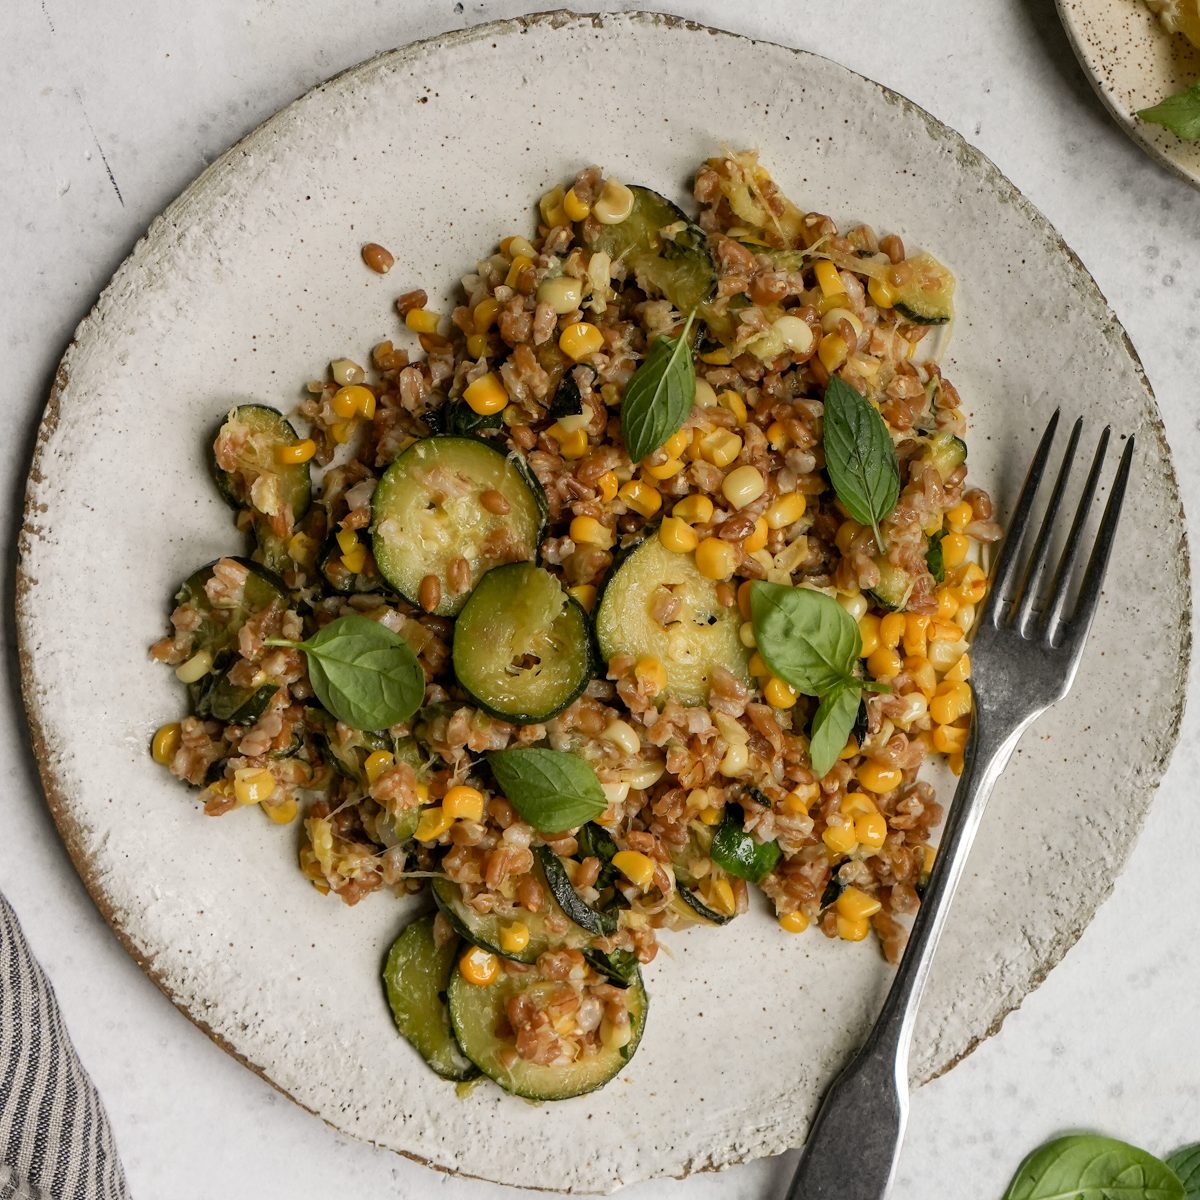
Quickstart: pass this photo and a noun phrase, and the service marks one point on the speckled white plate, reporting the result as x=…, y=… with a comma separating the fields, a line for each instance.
x=1133, y=63
x=250, y=283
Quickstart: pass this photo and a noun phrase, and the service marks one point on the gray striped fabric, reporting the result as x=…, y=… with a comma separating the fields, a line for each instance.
x=55, y=1140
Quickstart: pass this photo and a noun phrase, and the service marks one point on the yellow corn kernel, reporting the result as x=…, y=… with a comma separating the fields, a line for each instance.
x=677, y=443
x=433, y=823
x=884, y=663
x=891, y=629
x=354, y=560
x=868, y=629
x=486, y=395
x=584, y=595
x=949, y=739
x=736, y=760
x=720, y=897
x=721, y=448
x=514, y=937
x=743, y=599
x=832, y=352
x=677, y=535
x=717, y=358
x=282, y=814
x=477, y=345
x=608, y=486
x=301, y=452
x=877, y=778
x=743, y=485
x=960, y=672
x=641, y=497
x=614, y=204
x=165, y=743
x=252, y=784
x=957, y=763
x=485, y=314
x=827, y=277
x=950, y=701
x=960, y=516
x=579, y=340
x=735, y=404
x=650, y=674
x=852, y=930
x=345, y=402
x=850, y=749
x=551, y=206
x=479, y=967
x=300, y=548
x=777, y=436
x=785, y=511
x=915, y=627
x=695, y=509
x=780, y=694
x=855, y=804
x=923, y=675
x=637, y=868
x=944, y=631
x=463, y=803
x=516, y=246
x=342, y=431
x=622, y=735
x=947, y=604
x=563, y=293
x=973, y=586
x=195, y=668
x=879, y=291
x=666, y=470
x=574, y=445
x=793, y=922
x=710, y=815
x=575, y=208
x=856, y=905
x=871, y=829
x=715, y=559
x=758, y=539
x=847, y=531
x=520, y=264
x=421, y=321
x=376, y=764
x=839, y=838
x=347, y=539
x=758, y=668
x=588, y=531
x=954, y=549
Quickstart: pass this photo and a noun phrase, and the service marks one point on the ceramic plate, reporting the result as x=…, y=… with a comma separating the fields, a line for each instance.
x=251, y=282
x=1132, y=63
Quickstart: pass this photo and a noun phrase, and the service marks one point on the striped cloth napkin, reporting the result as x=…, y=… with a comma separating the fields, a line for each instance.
x=55, y=1139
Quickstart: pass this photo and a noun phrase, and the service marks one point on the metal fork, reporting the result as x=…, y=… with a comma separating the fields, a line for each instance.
x=1023, y=658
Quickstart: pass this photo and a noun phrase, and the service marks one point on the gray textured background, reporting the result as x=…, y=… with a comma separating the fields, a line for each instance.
x=110, y=109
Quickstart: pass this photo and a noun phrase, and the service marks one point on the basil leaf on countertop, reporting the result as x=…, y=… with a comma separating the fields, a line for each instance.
x=551, y=789
x=807, y=638
x=831, y=726
x=860, y=456
x=660, y=395
x=739, y=852
x=1186, y=1164
x=1087, y=1167
x=1179, y=113
x=367, y=676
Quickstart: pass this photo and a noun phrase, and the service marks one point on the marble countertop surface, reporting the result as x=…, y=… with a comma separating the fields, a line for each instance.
x=112, y=107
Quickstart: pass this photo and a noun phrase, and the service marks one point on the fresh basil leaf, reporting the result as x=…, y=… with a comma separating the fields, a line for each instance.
x=660, y=395
x=805, y=637
x=619, y=966
x=458, y=418
x=835, y=887
x=933, y=557
x=367, y=676
x=860, y=456
x=1186, y=1164
x=832, y=724
x=739, y=852
x=862, y=722
x=553, y=790
x=568, y=400
x=1087, y=1167
x=1179, y=113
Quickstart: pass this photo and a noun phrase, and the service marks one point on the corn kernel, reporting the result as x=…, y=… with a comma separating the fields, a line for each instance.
x=839, y=838
x=477, y=345
x=947, y=604
x=520, y=264
x=677, y=535
x=711, y=816
x=614, y=1036
x=973, y=586
x=636, y=867
x=165, y=743
x=855, y=904
x=342, y=431
x=195, y=668
x=827, y=277
x=574, y=445
x=584, y=595
x=641, y=497
x=852, y=930
x=666, y=470
x=651, y=675
x=694, y=509
x=614, y=204
x=283, y=814
x=743, y=486
x=922, y=673
x=965, y=617
x=551, y=206
x=563, y=293
x=780, y=693
x=376, y=764
x=580, y=340
x=608, y=486
x=677, y=443
x=847, y=531
x=758, y=538
x=747, y=636
x=736, y=760
x=884, y=663
x=957, y=762
x=915, y=627
x=960, y=516
x=879, y=291
x=301, y=547
x=868, y=630
x=950, y=702
x=855, y=804
x=785, y=511
x=949, y=739
x=462, y=803
x=717, y=358
x=485, y=314
x=832, y=352
x=960, y=672
x=433, y=823
x=355, y=560
x=720, y=897
x=850, y=749
x=743, y=599
x=420, y=321
x=252, y=784
x=721, y=448
x=301, y=452
x=575, y=208
x=514, y=937
x=479, y=967
x=486, y=395
x=732, y=402
x=954, y=549
x=777, y=436
x=622, y=735
x=715, y=559
x=588, y=531
x=876, y=777
x=891, y=629
x=793, y=922
x=871, y=829
x=758, y=668
x=347, y=539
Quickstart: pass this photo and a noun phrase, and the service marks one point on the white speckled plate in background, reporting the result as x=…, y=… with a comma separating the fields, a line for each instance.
x=251, y=282
x=1133, y=63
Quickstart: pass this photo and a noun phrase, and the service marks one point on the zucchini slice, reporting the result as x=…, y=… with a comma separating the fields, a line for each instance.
x=923, y=290
x=427, y=513
x=676, y=264
x=894, y=587
x=416, y=976
x=483, y=929
x=602, y=924
x=216, y=697
x=475, y=1013
x=218, y=628
x=741, y=853
x=692, y=908
x=687, y=902
x=947, y=453
x=703, y=636
x=250, y=436
x=522, y=646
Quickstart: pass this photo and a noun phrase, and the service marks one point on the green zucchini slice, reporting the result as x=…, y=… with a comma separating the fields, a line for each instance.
x=741, y=853
x=427, y=513
x=687, y=902
x=925, y=294
x=257, y=481
x=676, y=264
x=475, y=1013
x=218, y=698
x=947, y=453
x=688, y=905
x=483, y=929
x=522, y=646
x=602, y=924
x=416, y=977
x=218, y=628
x=704, y=635
x=894, y=587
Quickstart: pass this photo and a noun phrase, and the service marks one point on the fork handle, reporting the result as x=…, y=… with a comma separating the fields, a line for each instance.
x=854, y=1143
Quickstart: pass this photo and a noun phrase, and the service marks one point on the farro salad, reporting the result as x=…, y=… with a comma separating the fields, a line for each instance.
x=649, y=580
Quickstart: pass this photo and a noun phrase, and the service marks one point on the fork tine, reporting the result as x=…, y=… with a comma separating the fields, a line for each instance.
x=1006, y=565
x=1062, y=574
x=1023, y=614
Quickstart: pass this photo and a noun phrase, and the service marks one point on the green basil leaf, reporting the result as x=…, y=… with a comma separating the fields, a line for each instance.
x=831, y=726
x=805, y=637
x=553, y=790
x=367, y=676
x=933, y=557
x=739, y=852
x=1086, y=1167
x=660, y=395
x=1186, y=1164
x=619, y=966
x=860, y=456
x=1179, y=113
x=459, y=419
